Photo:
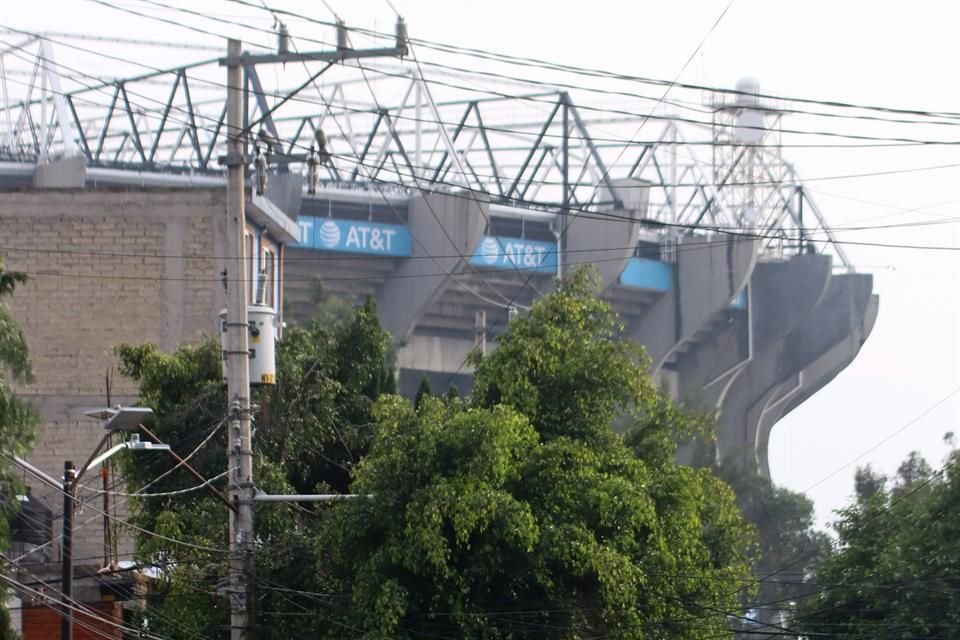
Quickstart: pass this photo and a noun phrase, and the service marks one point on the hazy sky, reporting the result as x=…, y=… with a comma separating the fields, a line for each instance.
x=882, y=53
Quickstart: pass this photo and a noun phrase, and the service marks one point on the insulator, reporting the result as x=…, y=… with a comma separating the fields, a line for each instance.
x=401, y=34
x=342, y=36
x=283, y=39
x=314, y=178
x=260, y=163
x=323, y=154
x=270, y=143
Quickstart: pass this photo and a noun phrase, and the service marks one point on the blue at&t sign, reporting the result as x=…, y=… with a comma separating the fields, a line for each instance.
x=351, y=236
x=515, y=253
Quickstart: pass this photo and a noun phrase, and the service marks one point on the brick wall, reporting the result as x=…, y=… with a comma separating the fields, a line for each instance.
x=106, y=267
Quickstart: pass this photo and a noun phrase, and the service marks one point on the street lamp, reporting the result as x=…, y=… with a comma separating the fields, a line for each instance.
x=115, y=420
x=120, y=418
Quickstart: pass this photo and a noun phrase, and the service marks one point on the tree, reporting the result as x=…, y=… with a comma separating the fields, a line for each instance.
x=522, y=514
x=868, y=483
x=423, y=391
x=18, y=421
x=789, y=546
x=311, y=428
x=895, y=573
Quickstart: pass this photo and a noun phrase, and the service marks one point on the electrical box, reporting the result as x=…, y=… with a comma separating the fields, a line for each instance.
x=261, y=340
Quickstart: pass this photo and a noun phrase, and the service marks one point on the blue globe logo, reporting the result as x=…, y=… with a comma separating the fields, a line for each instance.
x=329, y=234
x=490, y=250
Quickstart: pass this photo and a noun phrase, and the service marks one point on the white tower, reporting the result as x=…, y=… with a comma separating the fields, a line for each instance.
x=747, y=162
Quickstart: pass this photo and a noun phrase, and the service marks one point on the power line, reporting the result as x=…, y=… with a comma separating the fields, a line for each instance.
x=449, y=274
x=569, y=221
x=886, y=509
x=440, y=225
x=757, y=183
x=132, y=526
x=119, y=503
x=175, y=23
x=905, y=140
x=473, y=195
x=892, y=435
x=325, y=256
x=74, y=606
x=544, y=64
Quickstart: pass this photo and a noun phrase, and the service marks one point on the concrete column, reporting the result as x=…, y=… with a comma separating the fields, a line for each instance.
x=781, y=294
x=792, y=366
x=706, y=371
x=446, y=228
x=607, y=243
x=709, y=274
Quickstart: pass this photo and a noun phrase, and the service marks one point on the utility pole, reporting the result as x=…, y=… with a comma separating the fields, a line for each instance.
x=240, y=589
x=239, y=445
x=66, y=552
x=118, y=419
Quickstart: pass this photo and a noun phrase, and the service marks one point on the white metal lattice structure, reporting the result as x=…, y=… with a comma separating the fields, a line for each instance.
x=403, y=126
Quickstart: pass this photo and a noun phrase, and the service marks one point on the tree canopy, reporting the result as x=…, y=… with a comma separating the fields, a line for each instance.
x=18, y=421
x=896, y=571
x=311, y=429
x=515, y=513
x=789, y=546
x=522, y=514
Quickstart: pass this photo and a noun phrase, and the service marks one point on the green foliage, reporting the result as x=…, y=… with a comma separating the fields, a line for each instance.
x=522, y=514
x=789, y=546
x=894, y=574
x=477, y=530
x=423, y=391
x=13, y=347
x=563, y=366
x=329, y=308
x=868, y=483
x=311, y=429
x=517, y=513
x=18, y=421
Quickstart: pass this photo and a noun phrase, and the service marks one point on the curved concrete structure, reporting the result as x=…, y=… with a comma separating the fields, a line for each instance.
x=709, y=274
x=606, y=243
x=728, y=328
x=447, y=228
x=795, y=364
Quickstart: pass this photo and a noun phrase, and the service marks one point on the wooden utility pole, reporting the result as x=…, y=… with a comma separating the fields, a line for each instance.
x=239, y=446
x=240, y=583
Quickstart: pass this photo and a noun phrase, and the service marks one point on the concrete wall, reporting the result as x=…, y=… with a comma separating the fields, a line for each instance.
x=447, y=228
x=709, y=275
x=105, y=267
x=606, y=243
x=823, y=321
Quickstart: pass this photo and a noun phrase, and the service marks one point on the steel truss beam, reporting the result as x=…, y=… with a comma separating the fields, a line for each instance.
x=534, y=149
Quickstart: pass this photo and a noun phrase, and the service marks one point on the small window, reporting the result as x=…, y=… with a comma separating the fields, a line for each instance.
x=249, y=241
x=266, y=281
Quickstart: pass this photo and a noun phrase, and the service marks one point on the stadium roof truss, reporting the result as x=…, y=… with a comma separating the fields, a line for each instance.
x=395, y=127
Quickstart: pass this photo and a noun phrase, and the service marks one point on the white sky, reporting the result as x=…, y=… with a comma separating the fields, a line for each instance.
x=867, y=52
